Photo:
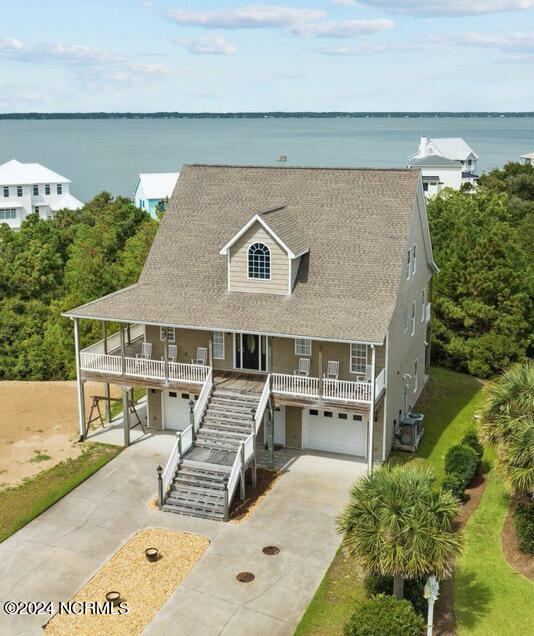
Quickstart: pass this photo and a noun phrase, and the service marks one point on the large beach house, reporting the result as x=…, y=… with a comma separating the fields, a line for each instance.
x=279, y=306
x=27, y=188
x=446, y=162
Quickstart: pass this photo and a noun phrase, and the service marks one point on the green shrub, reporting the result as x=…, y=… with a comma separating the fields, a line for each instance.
x=413, y=590
x=454, y=484
x=461, y=460
x=471, y=439
x=524, y=526
x=384, y=615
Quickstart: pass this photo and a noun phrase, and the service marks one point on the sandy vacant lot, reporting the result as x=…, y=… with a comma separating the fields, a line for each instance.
x=38, y=426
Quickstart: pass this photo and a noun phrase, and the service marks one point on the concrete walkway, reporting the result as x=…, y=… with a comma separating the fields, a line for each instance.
x=52, y=557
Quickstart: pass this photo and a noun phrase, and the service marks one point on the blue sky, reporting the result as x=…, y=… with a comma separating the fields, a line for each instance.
x=146, y=55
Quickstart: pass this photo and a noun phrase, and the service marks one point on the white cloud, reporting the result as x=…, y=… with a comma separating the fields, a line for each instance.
x=368, y=48
x=341, y=29
x=505, y=42
x=444, y=7
x=257, y=16
x=91, y=63
x=206, y=45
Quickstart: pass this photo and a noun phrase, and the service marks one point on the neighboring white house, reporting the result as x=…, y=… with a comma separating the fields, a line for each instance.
x=437, y=173
x=528, y=158
x=153, y=188
x=30, y=187
x=449, y=160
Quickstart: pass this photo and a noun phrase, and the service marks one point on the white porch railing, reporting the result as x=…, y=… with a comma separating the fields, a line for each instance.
x=202, y=401
x=184, y=441
x=295, y=385
x=193, y=373
x=143, y=368
x=346, y=390
x=101, y=363
x=380, y=383
x=262, y=405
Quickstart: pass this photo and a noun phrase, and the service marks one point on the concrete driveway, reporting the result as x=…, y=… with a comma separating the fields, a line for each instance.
x=53, y=556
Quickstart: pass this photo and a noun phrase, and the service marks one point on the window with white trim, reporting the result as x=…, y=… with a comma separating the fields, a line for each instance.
x=415, y=373
x=8, y=214
x=423, y=305
x=19, y=191
x=6, y=191
x=218, y=345
x=413, y=260
x=168, y=334
x=405, y=323
x=47, y=189
x=35, y=190
x=413, y=317
x=59, y=188
x=358, y=358
x=259, y=261
x=302, y=347
x=408, y=263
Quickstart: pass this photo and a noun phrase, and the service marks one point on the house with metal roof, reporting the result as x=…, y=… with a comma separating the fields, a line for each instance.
x=447, y=162
x=27, y=188
x=153, y=190
x=278, y=306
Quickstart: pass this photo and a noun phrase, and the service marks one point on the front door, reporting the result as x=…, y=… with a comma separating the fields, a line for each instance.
x=250, y=351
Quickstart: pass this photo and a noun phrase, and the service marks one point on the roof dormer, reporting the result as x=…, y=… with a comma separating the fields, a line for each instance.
x=264, y=255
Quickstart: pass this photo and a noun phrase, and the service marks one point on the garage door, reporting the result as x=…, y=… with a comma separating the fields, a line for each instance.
x=335, y=432
x=176, y=409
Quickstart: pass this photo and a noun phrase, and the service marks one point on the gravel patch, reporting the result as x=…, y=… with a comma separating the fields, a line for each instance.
x=144, y=586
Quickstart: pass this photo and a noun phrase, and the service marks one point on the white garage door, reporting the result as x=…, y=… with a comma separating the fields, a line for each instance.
x=176, y=409
x=335, y=432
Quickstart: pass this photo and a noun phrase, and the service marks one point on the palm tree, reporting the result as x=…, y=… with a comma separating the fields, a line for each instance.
x=509, y=398
x=515, y=459
x=397, y=524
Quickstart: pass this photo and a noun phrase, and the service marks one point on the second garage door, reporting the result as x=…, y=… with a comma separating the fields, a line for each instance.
x=176, y=409
x=335, y=432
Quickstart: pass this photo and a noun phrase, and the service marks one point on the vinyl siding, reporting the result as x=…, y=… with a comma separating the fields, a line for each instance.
x=238, y=268
x=404, y=349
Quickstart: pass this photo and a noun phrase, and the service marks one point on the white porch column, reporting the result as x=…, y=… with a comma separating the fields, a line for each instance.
x=370, y=436
x=79, y=383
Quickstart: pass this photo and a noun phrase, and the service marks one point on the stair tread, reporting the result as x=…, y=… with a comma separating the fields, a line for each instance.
x=186, y=482
x=206, y=466
x=195, y=502
x=193, y=512
x=239, y=435
x=199, y=496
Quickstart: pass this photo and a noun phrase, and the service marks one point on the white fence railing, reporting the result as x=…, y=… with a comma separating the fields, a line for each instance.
x=193, y=373
x=428, y=312
x=301, y=386
x=380, y=383
x=100, y=363
x=243, y=456
x=346, y=390
x=143, y=368
x=203, y=398
x=295, y=385
x=184, y=441
x=262, y=404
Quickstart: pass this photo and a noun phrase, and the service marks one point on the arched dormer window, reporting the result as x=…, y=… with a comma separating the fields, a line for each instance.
x=259, y=261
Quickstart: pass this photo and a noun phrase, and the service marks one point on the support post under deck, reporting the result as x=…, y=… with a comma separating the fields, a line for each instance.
x=126, y=414
x=79, y=383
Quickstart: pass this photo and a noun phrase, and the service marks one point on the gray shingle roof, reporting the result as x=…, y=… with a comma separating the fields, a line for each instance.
x=354, y=221
x=434, y=160
x=285, y=224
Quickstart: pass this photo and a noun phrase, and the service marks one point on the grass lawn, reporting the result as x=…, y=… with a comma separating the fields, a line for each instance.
x=334, y=601
x=489, y=596
x=21, y=504
x=449, y=403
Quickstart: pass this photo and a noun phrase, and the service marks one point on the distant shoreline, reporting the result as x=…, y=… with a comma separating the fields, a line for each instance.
x=264, y=115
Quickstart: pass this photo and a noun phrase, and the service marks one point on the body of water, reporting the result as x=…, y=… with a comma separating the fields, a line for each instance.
x=108, y=154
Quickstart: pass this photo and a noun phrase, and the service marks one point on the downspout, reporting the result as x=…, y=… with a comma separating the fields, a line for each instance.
x=385, y=411
x=79, y=383
x=371, y=413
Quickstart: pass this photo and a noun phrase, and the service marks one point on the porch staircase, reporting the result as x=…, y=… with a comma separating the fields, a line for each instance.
x=198, y=485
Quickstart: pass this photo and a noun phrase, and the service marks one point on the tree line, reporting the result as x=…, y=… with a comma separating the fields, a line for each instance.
x=482, y=296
